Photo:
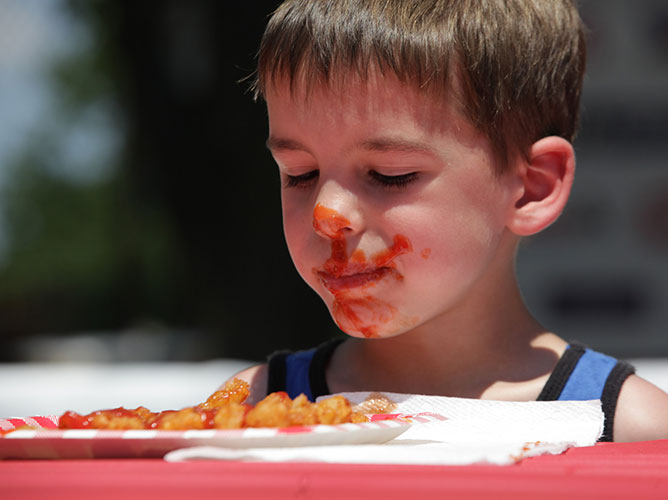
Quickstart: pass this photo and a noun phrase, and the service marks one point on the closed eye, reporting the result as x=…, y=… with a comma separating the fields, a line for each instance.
x=301, y=181
x=393, y=181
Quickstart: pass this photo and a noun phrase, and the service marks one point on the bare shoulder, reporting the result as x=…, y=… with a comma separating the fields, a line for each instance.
x=256, y=376
x=642, y=412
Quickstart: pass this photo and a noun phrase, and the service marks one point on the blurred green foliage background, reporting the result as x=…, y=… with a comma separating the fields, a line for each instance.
x=145, y=199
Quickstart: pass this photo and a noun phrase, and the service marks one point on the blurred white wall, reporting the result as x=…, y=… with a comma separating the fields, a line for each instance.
x=29, y=389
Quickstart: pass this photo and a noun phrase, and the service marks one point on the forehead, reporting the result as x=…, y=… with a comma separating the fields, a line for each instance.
x=379, y=101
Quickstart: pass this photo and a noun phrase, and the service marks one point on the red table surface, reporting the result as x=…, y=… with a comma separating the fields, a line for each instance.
x=607, y=470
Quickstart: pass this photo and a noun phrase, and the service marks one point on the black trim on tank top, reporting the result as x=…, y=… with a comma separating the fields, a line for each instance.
x=613, y=385
x=317, y=370
x=276, y=372
x=561, y=373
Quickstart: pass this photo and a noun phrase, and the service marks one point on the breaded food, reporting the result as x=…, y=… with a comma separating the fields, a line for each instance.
x=116, y=419
x=231, y=416
x=272, y=411
x=185, y=419
x=234, y=391
x=333, y=411
x=301, y=412
x=224, y=409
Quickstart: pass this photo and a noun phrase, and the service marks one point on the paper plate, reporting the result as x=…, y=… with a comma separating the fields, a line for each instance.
x=91, y=443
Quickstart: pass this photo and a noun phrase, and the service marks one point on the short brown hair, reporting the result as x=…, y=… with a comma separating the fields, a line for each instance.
x=519, y=64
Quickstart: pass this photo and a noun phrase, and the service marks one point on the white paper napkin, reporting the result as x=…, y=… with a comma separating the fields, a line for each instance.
x=476, y=431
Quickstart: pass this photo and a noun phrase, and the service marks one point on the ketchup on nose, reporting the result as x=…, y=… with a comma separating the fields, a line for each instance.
x=328, y=222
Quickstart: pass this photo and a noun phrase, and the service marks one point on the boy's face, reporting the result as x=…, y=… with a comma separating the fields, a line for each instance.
x=391, y=210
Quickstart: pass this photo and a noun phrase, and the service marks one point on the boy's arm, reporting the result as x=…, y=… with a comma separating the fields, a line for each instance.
x=642, y=412
x=256, y=376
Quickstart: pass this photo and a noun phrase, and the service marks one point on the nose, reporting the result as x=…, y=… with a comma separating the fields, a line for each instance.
x=336, y=212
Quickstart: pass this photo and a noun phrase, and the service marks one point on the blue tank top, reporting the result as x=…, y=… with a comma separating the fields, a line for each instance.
x=581, y=374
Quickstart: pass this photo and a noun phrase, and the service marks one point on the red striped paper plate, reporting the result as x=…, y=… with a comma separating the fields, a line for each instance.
x=92, y=443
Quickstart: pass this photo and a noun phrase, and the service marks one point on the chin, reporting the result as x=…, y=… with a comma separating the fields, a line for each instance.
x=369, y=318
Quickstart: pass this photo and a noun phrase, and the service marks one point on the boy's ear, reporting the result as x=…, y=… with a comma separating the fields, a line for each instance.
x=544, y=184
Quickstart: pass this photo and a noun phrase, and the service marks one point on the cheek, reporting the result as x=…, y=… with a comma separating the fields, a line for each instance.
x=299, y=237
x=467, y=240
x=474, y=213
x=454, y=238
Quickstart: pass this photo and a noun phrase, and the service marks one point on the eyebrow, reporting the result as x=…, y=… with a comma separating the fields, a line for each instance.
x=279, y=144
x=392, y=144
x=381, y=145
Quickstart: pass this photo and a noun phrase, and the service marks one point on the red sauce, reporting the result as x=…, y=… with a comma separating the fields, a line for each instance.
x=399, y=246
x=158, y=420
x=363, y=314
x=120, y=412
x=72, y=420
x=341, y=273
x=426, y=253
x=328, y=222
x=208, y=417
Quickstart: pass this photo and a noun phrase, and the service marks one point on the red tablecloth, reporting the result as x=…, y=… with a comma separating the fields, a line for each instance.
x=609, y=471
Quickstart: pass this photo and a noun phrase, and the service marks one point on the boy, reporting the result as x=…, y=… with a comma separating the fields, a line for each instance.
x=418, y=141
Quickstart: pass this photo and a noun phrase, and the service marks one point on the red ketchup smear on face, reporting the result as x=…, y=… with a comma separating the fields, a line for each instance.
x=341, y=273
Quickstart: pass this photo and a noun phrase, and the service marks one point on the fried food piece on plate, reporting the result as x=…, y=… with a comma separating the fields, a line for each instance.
x=278, y=410
x=231, y=416
x=115, y=419
x=202, y=416
x=302, y=412
x=224, y=409
x=333, y=411
x=359, y=418
x=187, y=418
x=272, y=411
x=234, y=391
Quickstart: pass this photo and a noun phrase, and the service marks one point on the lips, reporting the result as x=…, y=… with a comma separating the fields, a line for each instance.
x=356, y=279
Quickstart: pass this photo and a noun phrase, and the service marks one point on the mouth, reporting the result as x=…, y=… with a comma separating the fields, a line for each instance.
x=355, y=280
